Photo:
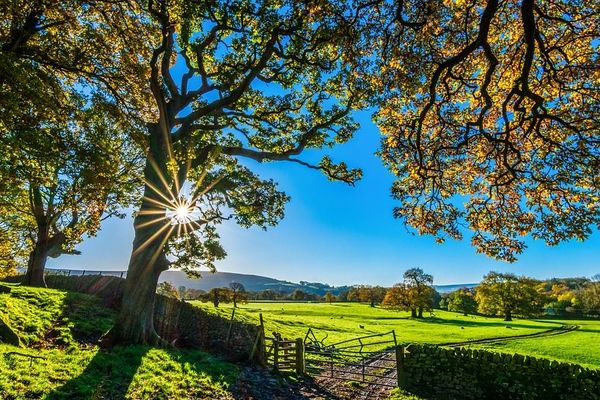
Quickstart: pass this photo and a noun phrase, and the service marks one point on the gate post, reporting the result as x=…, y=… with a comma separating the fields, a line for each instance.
x=300, y=368
x=400, y=366
x=276, y=354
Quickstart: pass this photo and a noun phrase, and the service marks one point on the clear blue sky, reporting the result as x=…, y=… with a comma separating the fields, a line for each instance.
x=338, y=234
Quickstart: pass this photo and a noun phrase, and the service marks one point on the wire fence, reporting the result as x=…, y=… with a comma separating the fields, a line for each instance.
x=84, y=272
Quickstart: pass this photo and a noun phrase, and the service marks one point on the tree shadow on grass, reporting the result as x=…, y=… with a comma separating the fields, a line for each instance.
x=107, y=376
x=148, y=373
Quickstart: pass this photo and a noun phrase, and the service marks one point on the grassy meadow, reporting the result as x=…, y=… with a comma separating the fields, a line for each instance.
x=581, y=346
x=340, y=321
x=63, y=327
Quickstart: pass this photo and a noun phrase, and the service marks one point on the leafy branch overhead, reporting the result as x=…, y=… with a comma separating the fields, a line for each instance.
x=490, y=120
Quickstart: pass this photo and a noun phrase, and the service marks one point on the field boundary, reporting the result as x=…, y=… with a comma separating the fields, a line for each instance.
x=550, y=332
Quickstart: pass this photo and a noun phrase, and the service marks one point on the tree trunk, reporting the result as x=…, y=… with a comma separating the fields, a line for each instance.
x=37, y=263
x=135, y=323
x=413, y=313
x=507, y=315
x=234, y=301
x=420, y=312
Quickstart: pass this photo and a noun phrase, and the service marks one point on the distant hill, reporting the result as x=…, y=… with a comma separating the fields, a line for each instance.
x=252, y=283
x=452, y=288
x=255, y=283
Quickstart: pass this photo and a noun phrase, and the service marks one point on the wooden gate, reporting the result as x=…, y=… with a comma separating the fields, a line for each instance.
x=285, y=354
x=370, y=359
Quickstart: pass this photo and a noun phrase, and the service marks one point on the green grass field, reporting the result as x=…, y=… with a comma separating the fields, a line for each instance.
x=341, y=321
x=63, y=327
x=581, y=346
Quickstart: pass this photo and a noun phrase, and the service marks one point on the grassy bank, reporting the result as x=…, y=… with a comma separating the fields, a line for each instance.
x=63, y=327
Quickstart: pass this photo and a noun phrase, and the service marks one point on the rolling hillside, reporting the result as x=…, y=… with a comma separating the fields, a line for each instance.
x=255, y=283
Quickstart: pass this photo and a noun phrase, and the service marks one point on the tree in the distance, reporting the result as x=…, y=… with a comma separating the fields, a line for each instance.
x=298, y=295
x=260, y=83
x=398, y=297
x=371, y=294
x=238, y=292
x=506, y=294
x=219, y=295
x=329, y=297
x=462, y=300
x=421, y=291
x=590, y=296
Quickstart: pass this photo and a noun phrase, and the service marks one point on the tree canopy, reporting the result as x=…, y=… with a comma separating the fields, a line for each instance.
x=507, y=294
x=489, y=112
x=416, y=293
x=257, y=81
x=462, y=300
x=73, y=93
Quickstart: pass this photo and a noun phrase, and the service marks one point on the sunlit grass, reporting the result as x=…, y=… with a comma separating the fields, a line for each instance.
x=341, y=321
x=63, y=327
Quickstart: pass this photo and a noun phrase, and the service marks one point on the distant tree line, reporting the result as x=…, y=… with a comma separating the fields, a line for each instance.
x=507, y=295
x=498, y=294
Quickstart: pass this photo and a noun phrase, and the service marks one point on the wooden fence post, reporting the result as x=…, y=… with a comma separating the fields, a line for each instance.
x=275, y=354
x=230, y=326
x=400, y=366
x=300, y=368
x=263, y=341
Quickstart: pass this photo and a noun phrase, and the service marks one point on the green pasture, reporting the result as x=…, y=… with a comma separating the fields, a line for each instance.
x=341, y=321
x=581, y=346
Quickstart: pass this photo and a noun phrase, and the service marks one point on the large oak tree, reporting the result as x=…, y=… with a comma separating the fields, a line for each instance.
x=233, y=83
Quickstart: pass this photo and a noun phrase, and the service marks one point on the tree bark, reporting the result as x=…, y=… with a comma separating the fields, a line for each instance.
x=507, y=315
x=413, y=313
x=420, y=312
x=37, y=263
x=135, y=323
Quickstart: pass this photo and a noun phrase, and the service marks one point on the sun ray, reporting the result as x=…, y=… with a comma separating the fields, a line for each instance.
x=158, y=203
x=151, y=212
x=162, y=178
x=151, y=238
x=151, y=222
x=160, y=193
x=161, y=245
x=199, y=193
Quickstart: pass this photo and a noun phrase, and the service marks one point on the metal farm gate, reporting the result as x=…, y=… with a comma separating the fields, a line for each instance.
x=371, y=359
